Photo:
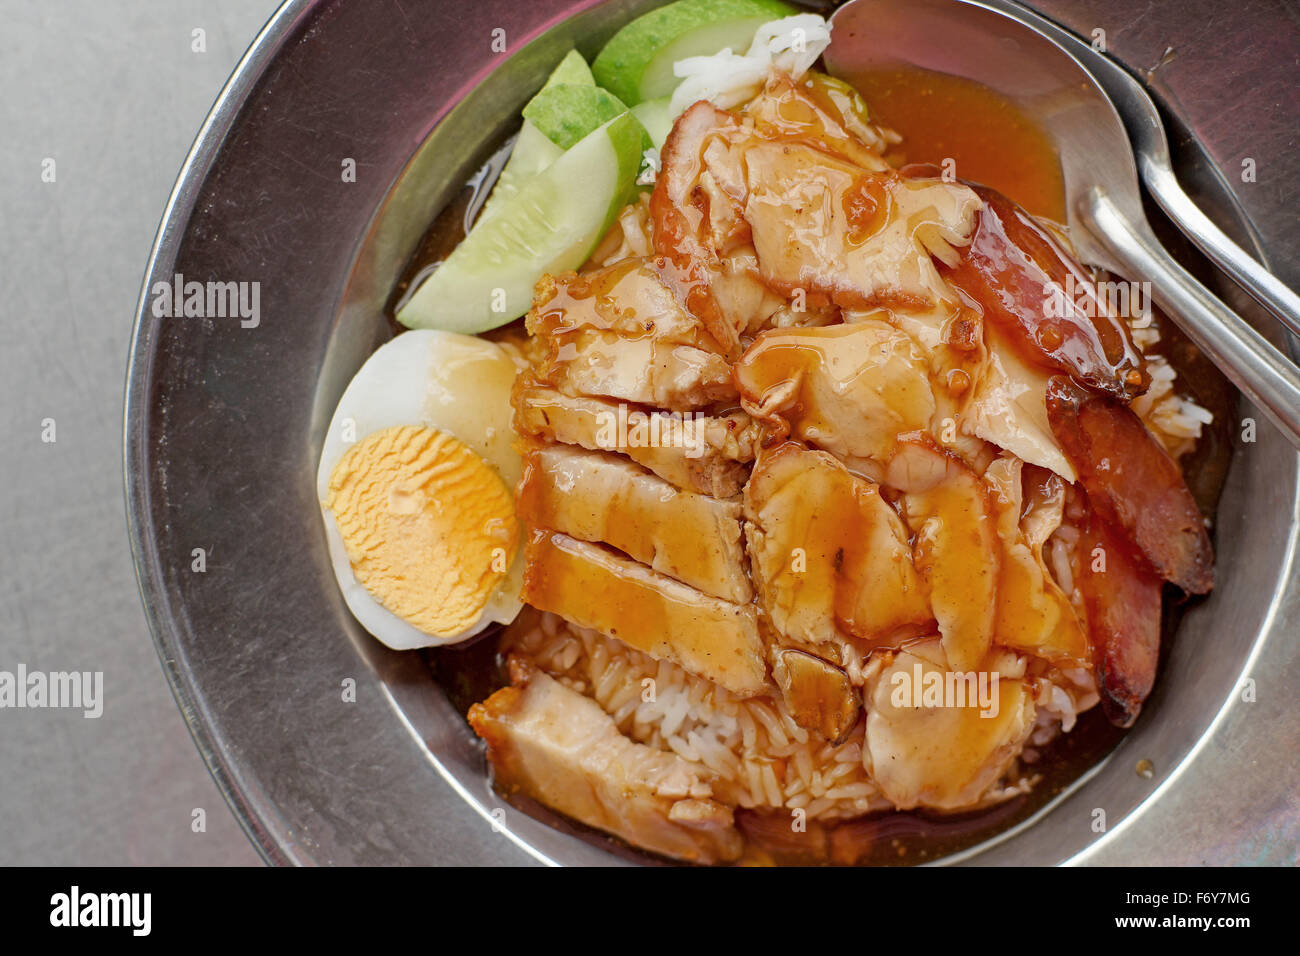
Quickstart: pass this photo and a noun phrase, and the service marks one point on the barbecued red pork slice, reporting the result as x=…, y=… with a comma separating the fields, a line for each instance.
x=559, y=748
x=943, y=756
x=1132, y=484
x=849, y=389
x=1044, y=301
x=1123, y=602
x=955, y=546
x=798, y=188
x=595, y=587
x=605, y=364
x=829, y=555
x=693, y=216
x=598, y=497
x=704, y=453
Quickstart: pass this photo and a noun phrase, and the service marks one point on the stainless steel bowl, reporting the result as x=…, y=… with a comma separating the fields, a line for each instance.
x=224, y=424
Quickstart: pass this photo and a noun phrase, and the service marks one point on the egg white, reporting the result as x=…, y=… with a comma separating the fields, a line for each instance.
x=457, y=384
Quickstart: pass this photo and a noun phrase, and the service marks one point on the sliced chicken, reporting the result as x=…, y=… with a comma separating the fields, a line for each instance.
x=703, y=453
x=599, y=497
x=605, y=364
x=559, y=748
x=819, y=695
x=858, y=238
x=1008, y=407
x=1033, y=614
x=828, y=554
x=925, y=752
x=956, y=547
x=818, y=112
x=850, y=388
x=952, y=335
x=595, y=587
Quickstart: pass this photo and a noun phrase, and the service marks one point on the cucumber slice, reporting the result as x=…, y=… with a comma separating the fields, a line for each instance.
x=551, y=224
x=637, y=63
x=534, y=150
x=566, y=112
x=657, y=118
x=572, y=70
x=531, y=154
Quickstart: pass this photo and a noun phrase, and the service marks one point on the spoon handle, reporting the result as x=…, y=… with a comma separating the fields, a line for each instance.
x=1240, y=266
x=1262, y=373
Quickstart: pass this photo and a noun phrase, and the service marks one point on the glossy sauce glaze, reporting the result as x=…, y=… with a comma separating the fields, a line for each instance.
x=1006, y=271
x=939, y=117
x=988, y=138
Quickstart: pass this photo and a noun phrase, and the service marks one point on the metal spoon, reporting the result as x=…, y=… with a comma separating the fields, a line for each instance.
x=1147, y=133
x=1104, y=206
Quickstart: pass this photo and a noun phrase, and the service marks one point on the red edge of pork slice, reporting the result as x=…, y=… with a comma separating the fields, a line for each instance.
x=1043, y=299
x=1134, y=485
x=1123, y=604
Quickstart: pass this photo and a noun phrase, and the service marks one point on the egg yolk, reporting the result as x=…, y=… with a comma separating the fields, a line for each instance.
x=429, y=526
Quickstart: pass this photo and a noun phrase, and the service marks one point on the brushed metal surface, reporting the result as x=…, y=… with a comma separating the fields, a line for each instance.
x=1151, y=144
x=224, y=423
x=81, y=85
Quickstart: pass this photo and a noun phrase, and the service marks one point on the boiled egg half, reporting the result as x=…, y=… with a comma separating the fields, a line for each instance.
x=416, y=487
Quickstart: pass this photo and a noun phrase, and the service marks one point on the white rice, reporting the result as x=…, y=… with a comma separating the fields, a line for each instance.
x=752, y=751
x=1173, y=418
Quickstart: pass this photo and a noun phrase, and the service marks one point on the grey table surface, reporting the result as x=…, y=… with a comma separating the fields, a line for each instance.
x=113, y=91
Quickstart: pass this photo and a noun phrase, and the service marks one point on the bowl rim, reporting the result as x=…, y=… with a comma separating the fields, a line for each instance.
x=260, y=818
x=267, y=835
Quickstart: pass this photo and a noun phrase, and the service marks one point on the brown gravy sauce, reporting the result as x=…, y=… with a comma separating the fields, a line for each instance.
x=940, y=117
x=990, y=140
